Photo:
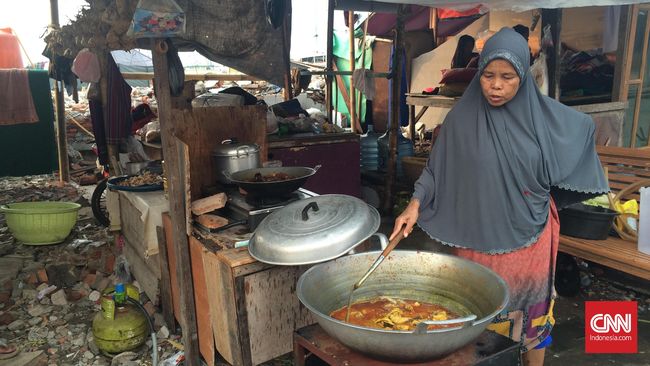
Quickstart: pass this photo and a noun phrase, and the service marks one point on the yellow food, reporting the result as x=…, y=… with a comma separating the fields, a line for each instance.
x=393, y=314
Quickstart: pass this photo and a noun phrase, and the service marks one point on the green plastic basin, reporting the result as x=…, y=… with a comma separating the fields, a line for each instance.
x=40, y=223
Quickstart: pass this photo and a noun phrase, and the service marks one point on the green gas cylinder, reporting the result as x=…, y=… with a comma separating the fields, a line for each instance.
x=120, y=326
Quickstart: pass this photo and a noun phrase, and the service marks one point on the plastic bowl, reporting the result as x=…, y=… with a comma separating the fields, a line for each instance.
x=40, y=223
x=586, y=222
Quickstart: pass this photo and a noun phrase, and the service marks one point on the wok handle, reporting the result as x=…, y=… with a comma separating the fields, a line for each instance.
x=313, y=205
x=423, y=326
x=226, y=174
x=383, y=240
x=317, y=167
x=3, y=208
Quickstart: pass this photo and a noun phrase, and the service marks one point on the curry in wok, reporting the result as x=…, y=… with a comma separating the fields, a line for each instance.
x=394, y=314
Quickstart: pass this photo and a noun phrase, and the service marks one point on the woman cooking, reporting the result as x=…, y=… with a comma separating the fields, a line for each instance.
x=506, y=157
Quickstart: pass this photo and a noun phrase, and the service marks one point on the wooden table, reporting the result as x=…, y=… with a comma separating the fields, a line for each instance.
x=489, y=349
x=425, y=101
x=246, y=310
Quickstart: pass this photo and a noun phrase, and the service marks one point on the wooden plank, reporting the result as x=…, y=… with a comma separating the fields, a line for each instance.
x=380, y=63
x=600, y=107
x=220, y=285
x=176, y=202
x=275, y=142
x=171, y=256
x=188, y=77
x=202, y=129
x=273, y=311
x=431, y=101
x=184, y=160
x=241, y=293
x=131, y=224
x=625, y=161
x=623, y=151
x=203, y=313
x=621, y=66
x=141, y=268
x=166, y=301
x=613, y=252
x=236, y=257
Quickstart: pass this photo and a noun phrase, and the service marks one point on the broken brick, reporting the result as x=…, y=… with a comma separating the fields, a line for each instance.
x=6, y=318
x=109, y=263
x=32, y=279
x=42, y=275
x=90, y=279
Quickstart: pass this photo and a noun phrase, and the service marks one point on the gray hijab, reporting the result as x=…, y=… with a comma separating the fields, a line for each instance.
x=493, y=170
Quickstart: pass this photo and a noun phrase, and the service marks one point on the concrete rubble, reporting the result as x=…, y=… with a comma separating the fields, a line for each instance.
x=49, y=294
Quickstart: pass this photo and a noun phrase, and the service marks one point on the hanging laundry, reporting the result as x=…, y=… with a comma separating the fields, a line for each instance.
x=364, y=82
x=16, y=104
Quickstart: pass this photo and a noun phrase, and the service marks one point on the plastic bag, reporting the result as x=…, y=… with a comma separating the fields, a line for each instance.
x=157, y=18
x=86, y=66
x=547, y=38
x=539, y=71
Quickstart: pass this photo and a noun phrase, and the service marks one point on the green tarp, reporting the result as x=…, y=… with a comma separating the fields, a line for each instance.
x=341, y=50
x=30, y=148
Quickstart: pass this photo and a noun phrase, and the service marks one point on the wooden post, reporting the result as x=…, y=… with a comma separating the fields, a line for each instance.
x=353, y=103
x=330, y=60
x=363, y=65
x=177, y=203
x=394, y=121
x=621, y=69
x=59, y=108
x=286, y=47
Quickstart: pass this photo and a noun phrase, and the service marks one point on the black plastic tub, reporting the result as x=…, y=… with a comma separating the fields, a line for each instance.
x=586, y=222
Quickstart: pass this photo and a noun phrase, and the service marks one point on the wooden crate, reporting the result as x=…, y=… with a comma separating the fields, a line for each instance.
x=253, y=305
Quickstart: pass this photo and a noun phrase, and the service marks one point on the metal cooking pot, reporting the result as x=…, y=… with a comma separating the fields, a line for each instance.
x=458, y=284
x=230, y=156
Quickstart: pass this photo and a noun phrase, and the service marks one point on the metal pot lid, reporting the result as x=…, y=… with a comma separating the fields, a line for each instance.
x=313, y=230
x=228, y=148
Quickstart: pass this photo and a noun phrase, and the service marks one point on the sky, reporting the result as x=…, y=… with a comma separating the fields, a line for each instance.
x=29, y=20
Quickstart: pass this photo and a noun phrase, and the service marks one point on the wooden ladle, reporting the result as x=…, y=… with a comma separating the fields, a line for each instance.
x=389, y=248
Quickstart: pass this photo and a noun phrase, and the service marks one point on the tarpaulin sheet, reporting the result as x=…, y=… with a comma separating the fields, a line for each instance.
x=341, y=50
x=30, y=148
x=515, y=5
x=234, y=33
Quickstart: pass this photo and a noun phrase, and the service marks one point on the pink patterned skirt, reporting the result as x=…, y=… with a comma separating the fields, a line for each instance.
x=529, y=273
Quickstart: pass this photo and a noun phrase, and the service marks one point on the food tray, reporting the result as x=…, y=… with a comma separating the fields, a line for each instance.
x=113, y=184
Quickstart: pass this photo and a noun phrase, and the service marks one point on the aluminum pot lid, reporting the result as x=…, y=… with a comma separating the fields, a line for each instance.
x=227, y=148
x=313, y=230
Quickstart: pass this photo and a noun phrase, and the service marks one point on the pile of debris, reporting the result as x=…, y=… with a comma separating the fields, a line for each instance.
x=50, y=294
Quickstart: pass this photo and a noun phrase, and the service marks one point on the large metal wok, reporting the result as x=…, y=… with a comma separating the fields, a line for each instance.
x=298, y=174
x=458, y=284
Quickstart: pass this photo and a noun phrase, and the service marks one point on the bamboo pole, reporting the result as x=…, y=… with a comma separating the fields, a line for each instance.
x=353, y=114
x=363, y=64
x=394, y=121
x=286, y=47
x=330, y=60
x=59, y=108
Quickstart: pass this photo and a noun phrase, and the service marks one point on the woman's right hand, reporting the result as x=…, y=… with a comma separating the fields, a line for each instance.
x=407, y=218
